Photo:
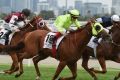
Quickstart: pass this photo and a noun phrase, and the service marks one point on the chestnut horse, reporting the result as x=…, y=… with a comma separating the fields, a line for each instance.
x=105, y=51
x=32, y=25
x=74, y=41
x=42, y=26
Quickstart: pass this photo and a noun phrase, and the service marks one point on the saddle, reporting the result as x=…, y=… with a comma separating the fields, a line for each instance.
x=5, y=36
x=49, y=42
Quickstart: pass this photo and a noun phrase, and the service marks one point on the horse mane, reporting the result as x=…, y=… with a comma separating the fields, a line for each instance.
x=81, y=28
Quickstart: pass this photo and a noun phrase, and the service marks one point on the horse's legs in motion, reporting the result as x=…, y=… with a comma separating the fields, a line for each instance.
x=36, y=59
x=118, y=76
x=103, y=66
x=20, y=67
x=15, y=65
x=59, y=69
x=85, y=65
x=8, y=71
x=73, y=68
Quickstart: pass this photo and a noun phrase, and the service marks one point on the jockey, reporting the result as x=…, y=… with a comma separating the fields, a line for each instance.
x=63, y=22
x=13, y=19
x=107, y=22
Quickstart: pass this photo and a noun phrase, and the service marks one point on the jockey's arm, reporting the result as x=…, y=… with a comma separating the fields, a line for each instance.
x=12, y=23
x=13, y=20
x=60, y=25
x=60, y=28
x=25, y=22
x=77, y=24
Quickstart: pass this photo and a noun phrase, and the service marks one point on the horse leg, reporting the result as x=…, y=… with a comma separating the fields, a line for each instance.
x=15, y=65
x=73, y=68
x=36, y=59
x=20, y=69
x=118, y=76
x=8, y=71
x=85, y=66
x=59, y=69
x=102, y=64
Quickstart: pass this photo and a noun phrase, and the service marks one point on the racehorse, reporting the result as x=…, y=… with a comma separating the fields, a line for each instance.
x=104, y=51
x=30, y=26
x=74, y=41
x=40, y=24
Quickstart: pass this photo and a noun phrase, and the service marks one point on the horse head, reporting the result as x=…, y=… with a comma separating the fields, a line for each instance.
x=42, y=25
x=32, y=24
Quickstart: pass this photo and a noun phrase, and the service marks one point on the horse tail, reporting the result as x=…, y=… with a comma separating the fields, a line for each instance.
x=15, y=48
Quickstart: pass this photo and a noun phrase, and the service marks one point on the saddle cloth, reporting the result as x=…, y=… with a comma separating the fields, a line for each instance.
x=2, y=33
x=48, y=40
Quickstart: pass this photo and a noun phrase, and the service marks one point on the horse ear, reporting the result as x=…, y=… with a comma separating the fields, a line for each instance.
x=88, y=23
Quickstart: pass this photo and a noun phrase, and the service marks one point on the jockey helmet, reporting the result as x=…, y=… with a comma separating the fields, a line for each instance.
x=74, y=13
x=115, y=18
x=26, y=12
x=99, y=20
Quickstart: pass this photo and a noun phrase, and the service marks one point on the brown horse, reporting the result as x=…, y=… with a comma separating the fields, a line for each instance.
x=32, y=25
x=41, y=24
x=74, y=41
x=105, y=51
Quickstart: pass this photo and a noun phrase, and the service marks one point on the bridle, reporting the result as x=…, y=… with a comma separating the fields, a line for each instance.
x=36, y=21
x=30, y=24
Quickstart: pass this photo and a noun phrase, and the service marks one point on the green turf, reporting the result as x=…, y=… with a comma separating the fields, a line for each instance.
x=48, y=72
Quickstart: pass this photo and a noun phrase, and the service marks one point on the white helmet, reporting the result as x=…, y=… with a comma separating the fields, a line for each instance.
x=115, y=18
x=99, y=20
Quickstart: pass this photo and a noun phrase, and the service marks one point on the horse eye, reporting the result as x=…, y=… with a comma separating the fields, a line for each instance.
x=41, y=24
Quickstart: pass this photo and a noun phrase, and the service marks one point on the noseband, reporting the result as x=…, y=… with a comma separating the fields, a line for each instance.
x=30, y=24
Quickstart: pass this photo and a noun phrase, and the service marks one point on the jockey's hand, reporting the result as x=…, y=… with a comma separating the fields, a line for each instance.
x=71, y=30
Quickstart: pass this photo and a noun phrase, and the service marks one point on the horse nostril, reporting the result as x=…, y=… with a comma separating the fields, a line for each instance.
x=41, y=24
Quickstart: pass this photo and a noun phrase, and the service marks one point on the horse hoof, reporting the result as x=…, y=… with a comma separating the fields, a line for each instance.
x=17, y=75
x=95, y=78
x=7, y=72
x=92, y=69
x=38, y=78
x=2, y=72
x=61, y=78
x=115, y=78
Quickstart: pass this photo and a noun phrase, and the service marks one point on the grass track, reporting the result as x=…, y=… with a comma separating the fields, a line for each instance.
x=48, y=72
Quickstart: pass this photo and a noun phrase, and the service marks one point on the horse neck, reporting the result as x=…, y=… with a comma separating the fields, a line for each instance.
x=82, y=37
x=44, y=28
x=31, y=26
x=115, y=34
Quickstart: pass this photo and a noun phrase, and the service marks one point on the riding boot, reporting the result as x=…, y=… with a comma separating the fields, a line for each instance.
x=58, y=34
x=6, y=36
x=95, y=40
